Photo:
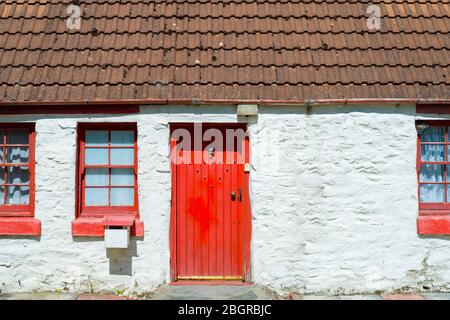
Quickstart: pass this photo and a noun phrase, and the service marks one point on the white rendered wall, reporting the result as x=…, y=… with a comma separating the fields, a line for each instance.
x=334, y=205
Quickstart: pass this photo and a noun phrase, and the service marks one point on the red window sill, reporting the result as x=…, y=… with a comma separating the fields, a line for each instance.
x=95, y=226
x=20, y=226
x=438, y=224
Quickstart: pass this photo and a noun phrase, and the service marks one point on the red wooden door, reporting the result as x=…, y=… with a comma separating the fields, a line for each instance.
x=210, y=227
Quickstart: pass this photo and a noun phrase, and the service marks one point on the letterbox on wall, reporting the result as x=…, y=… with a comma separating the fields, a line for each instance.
x=117, y=237
x=117, y=232
x=247, y=110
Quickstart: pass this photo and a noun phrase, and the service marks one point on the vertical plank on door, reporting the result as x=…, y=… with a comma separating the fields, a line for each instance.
x=219, y=216
x=190, y=251
x=197, y=227
x=182, y=257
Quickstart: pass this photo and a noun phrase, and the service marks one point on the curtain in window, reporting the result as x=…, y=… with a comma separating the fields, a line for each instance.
x=431, y=192
x=432, y=187
x=432, y=152
x=18, y=195
x=17, y=186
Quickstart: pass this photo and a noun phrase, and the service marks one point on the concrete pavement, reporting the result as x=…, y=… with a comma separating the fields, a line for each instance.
x=218, y=292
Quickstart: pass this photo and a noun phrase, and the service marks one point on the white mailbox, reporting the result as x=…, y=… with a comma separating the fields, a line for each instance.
x=117, y=237
x=247, y=110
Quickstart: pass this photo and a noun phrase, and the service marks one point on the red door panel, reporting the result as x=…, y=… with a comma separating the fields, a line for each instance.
x=210, y=227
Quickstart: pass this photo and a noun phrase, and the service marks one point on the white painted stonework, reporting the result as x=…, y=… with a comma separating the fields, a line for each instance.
x=333, y=193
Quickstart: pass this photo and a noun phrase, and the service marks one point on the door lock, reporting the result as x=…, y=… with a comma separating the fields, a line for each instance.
x=239, y=196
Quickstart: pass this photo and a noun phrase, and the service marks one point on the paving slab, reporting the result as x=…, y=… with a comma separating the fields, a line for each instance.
x=217, y=292
x=93, y=296
x=38, y=296
x=222, y=292
x=437, y=296
x=403, y=296
x=343, y=297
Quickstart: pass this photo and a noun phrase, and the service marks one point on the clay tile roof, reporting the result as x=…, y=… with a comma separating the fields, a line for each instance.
x=223, y=50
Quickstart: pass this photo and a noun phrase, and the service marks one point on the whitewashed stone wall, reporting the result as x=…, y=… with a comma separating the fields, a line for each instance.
x=333, y=192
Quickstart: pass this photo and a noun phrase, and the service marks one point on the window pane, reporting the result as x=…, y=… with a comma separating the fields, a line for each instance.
x=122, y=156
x=433, y=134
x=96, y=137
x=17, y=136
x=2, y=195
x=96, y=197
x=430, y=152
x=122, y=177
x=18, y=175
x=431, y=193
x=96, y=156
x=97, y=177
x=17, y=154
x=122, y=138
x=2, y=159
x=18, y=195
x=431, y=173
x=2, y=175
x=122, y=196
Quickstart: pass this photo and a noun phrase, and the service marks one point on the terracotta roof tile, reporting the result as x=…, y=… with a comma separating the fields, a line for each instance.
x=216, y=49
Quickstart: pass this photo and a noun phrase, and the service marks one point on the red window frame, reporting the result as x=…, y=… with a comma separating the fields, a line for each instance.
x=443, y=207
x=434, y=218
x=19, y=219
x=91, y=220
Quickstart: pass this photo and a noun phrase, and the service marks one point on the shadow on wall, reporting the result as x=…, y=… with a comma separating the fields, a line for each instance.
x=435, y=236
x=248, y=119
x=121, y=260
x=339, y=109
x=19, y=237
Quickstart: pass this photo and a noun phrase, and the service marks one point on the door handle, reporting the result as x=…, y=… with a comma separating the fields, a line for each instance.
x=233, y=196
x=240, y=195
